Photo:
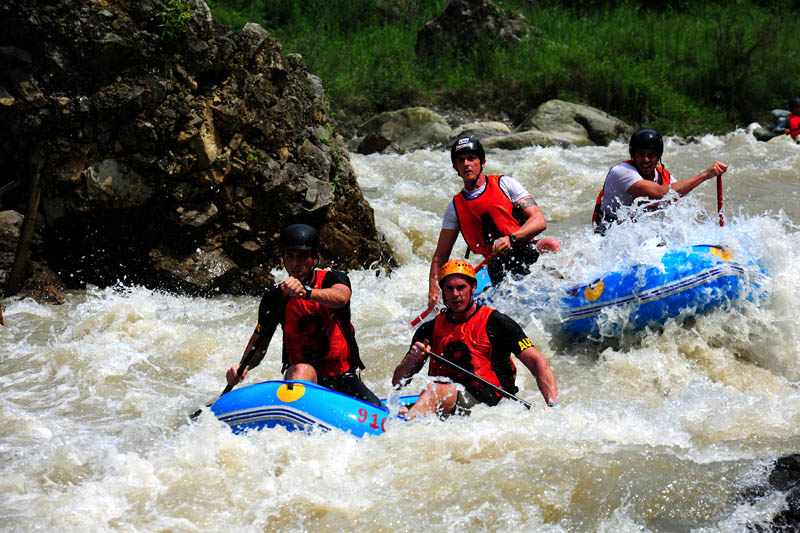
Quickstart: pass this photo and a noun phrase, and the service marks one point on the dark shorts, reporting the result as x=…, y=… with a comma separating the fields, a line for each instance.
x=515, y=262
x=464, y=403
x=349, y=383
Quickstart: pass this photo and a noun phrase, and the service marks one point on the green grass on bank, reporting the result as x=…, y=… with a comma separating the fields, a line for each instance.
x=682, y=67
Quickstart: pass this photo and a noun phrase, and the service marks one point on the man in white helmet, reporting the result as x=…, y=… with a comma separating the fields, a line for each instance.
x=496, y=216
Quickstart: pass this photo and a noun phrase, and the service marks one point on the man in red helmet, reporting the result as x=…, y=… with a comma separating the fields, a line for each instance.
x=478, y=339
x=496, y=216
x=642, y=177
x=313, y=308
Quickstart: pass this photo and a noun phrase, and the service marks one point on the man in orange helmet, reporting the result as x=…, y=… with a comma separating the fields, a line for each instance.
x=478, y=339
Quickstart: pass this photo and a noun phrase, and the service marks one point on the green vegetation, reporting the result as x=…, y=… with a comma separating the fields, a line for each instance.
x=682, y=67
x=174, y=18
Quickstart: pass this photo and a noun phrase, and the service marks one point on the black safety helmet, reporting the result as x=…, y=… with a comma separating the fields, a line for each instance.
x=794, y=102
x=646, y=138
x=467, y=144
x=299, y=237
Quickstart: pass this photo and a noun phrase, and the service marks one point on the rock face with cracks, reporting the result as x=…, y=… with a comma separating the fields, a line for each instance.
x=171, y=152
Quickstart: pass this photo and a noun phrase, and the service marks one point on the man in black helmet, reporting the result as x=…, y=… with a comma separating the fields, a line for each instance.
x=313, y=308
x=496, y=216
x=642, y=177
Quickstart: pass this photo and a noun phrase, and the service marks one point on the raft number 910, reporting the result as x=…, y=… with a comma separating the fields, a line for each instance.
x=364, y=417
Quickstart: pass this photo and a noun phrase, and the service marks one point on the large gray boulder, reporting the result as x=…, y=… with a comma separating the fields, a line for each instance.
x=573, y=124
x=410, y=128
x=482, y=129
x=523, y=139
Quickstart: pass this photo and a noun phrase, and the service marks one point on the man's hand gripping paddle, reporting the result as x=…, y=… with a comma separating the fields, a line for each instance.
x=244, y=364
x=466, y=372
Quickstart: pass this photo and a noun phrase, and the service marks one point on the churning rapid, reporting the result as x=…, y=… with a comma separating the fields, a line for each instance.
x=660, y=430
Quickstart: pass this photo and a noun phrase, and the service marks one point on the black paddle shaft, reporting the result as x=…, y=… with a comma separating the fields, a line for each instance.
x=244, y=364
x=466, y=372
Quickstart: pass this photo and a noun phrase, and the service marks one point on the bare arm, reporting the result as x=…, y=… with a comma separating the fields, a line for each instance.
x=684, y=186
x=654, y=191
x=334, y=297
x=540, y=368
x=648, y=189
x=410, y=365
x=534, y=224
x=255, y=359
x=447, y=239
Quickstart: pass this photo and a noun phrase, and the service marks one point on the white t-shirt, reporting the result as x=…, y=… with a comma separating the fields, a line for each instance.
x=615, y=191
x=511, y=187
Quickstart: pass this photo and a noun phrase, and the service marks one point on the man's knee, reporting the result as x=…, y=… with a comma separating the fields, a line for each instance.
x=548, y=244
x=301, y=371
x=446, y=396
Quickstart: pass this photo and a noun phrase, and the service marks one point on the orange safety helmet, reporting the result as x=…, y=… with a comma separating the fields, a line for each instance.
x=457, y=266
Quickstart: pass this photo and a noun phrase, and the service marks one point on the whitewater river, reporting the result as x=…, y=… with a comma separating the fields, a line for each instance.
x=658, y=431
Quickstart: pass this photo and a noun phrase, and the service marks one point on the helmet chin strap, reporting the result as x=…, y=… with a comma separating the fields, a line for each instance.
x=311, y=274
x=474, y=183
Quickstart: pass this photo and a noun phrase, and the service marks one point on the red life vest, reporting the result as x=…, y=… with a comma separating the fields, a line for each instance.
x=794, y=126
x=661, y=172
x=486, y=217
x=313, y=335
x=468, y=345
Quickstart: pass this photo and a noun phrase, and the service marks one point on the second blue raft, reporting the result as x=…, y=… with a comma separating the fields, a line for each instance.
x=689, y=280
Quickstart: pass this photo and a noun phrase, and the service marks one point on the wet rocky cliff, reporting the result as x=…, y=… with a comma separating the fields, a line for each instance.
x=170, y=151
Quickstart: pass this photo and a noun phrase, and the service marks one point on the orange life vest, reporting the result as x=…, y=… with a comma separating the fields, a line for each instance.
x=312, y=334
x=664, y=178
x=486, y=217
x=468, y=345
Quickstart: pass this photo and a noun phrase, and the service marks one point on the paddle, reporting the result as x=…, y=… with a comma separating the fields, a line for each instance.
x=719, y=201
x=477, y=378
x=244, y=364
x=426, y=312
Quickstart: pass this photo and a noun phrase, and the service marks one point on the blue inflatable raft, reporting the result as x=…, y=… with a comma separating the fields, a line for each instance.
x=300, y=405
x=689, y=280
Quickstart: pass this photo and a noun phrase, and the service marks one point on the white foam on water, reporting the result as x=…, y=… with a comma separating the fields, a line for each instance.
x=658, y=431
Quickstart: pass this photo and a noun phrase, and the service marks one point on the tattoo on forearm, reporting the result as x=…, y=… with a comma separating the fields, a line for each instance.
x=527, y=202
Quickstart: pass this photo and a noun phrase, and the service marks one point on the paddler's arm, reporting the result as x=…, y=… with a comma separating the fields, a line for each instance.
x=254, y=359
x=335, y=296
x=447, y=239
x=410, y=365
x=684, y=186
x=270, y=312
x=540, y=368
x=534, y=224
x=654, y=191
x=415, y=358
